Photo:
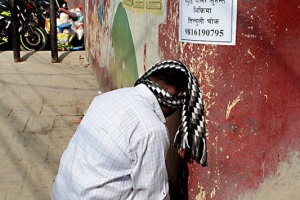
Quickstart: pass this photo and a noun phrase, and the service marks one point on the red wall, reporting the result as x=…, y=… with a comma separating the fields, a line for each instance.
x=251, y=94
x=261, y=75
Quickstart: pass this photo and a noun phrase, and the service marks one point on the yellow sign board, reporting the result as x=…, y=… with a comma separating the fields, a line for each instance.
x=144, y=6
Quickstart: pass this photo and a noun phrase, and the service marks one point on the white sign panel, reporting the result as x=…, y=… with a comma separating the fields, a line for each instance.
x=208, y=21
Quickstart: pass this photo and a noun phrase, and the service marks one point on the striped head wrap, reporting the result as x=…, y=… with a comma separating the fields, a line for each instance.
x=190, y=136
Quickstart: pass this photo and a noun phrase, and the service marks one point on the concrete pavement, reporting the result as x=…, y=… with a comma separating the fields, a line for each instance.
x=40, y=104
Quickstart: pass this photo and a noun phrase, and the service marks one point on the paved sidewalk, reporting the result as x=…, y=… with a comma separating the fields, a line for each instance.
x=40, y=104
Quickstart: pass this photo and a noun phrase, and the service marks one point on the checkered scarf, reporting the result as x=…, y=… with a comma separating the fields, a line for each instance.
x=190, y=136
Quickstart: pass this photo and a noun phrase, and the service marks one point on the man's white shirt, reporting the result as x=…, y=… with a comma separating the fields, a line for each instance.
x=118, y=151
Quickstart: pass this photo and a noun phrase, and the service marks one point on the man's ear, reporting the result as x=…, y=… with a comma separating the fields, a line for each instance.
x=174, y=91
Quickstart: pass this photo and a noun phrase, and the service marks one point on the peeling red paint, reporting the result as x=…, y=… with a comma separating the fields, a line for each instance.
x=262, y=127
x=103, y=76
x=251, y=94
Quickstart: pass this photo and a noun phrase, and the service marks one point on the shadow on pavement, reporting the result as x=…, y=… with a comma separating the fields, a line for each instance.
x=63, y=55
x=27, y=55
